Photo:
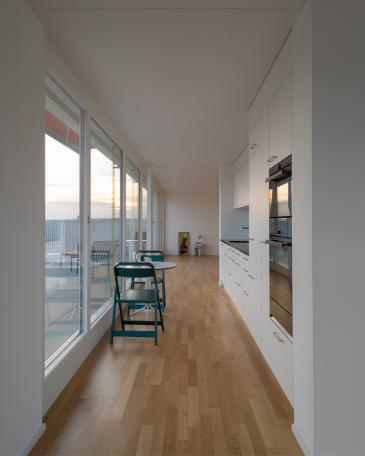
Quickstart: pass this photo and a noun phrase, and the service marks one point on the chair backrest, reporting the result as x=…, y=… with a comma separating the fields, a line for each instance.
x=131, y=270
x=101, y=250
x=155, y=255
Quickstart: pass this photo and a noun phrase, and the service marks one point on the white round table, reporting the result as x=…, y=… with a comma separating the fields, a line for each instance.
x=163, y=265
x=159, y=266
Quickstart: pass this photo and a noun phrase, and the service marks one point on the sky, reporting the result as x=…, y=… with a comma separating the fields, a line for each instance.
x=63, y=182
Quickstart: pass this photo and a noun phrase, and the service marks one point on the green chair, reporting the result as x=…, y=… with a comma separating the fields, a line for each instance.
x=136, y=298
x=155, y=255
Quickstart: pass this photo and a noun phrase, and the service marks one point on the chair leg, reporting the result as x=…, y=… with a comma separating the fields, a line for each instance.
x=161, y=317
x=163, y=291
x=121, y=315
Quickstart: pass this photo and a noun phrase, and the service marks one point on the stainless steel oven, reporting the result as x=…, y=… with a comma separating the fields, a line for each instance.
x=280, y=242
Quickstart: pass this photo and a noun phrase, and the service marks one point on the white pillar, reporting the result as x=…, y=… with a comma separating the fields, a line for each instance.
x=22, y=183
x=329, y=317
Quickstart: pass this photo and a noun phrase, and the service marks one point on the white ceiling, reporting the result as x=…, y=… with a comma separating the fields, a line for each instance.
x=177, y=76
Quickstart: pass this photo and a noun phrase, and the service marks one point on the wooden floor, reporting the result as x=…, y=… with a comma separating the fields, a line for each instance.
x=205, y=390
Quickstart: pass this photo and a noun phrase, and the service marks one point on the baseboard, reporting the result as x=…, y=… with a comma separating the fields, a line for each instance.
x=300, y=441
x=34, y=439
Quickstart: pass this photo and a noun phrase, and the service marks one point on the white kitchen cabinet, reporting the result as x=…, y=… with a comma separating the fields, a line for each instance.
x=258, y=169
x=280, y=358
x=255, y=307
x=233, y=270
x=245, y=290
x=221, y=262
x=280, y=123
x=241, y=186
x=248, y=282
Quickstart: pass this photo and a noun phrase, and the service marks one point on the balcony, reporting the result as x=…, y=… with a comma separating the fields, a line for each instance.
x=63, y=278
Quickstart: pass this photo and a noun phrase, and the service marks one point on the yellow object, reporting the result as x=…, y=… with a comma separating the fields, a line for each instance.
x=184, y=243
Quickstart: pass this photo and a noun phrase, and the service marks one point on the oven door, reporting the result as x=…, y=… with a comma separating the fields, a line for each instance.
x=281, y=283
x=280, y=198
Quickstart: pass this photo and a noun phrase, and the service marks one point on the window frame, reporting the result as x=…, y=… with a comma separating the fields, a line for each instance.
x=93, y=319
x=56, y=357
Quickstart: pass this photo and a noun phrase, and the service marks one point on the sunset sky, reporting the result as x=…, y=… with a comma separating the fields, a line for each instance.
x=62, y=184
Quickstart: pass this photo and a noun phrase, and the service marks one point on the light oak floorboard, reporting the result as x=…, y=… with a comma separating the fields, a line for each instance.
x=204, y=390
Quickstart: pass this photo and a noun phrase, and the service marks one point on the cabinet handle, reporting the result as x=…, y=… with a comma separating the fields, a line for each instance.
x=272, y=158
x=277, y=337
x=251, y=276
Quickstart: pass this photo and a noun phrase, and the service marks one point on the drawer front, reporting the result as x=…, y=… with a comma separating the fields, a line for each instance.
x=281, y=358
x=255, y=307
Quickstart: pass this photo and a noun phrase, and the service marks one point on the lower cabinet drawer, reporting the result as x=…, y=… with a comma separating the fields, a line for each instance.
x=280, y=358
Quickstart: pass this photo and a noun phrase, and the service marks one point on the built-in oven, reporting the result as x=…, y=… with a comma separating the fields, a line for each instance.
x=280, y=244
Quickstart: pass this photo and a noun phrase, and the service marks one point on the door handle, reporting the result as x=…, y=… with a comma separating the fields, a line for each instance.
x=279, y=244
x=277, y=337
x=272, y=158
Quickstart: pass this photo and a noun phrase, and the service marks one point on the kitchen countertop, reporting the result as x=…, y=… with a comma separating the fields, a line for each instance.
x=238, y=244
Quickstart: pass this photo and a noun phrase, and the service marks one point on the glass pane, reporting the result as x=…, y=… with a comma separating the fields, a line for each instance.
x=132, y=210
x=282, y=258
x=144, y=216
x=62, y=224
x=105, y=218
x=283, y=200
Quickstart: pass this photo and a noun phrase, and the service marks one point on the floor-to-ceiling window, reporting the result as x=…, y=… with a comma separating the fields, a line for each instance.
x=63, y=315
x=105, y=242
x=144, y=214
x=132, y=213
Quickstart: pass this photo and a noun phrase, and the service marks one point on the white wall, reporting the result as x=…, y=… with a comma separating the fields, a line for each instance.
x=21, y=227
x=230, y=219
x=193, y=212
x=338, y=158
x=302, y=228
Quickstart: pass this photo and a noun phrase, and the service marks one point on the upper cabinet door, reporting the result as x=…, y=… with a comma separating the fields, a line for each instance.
x=241, y=187
x=280, y=123
x=258, y=192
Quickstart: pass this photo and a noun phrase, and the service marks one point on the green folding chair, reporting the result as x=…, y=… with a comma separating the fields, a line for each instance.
x=137, y=298
x=155, y=255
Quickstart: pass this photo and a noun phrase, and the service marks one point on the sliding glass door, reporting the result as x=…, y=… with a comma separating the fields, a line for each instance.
x=132, y=225
x=63, y=316
x=105, y=161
